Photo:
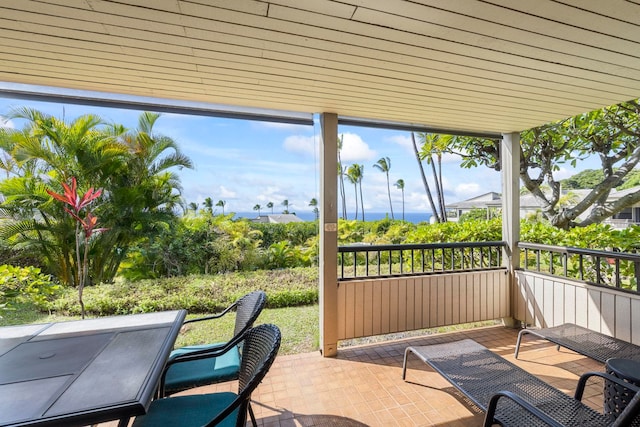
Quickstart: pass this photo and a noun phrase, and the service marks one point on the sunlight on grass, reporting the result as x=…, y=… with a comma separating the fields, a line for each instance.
x=299, y=326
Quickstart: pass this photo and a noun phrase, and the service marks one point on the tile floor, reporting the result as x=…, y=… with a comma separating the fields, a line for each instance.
x=363, y=385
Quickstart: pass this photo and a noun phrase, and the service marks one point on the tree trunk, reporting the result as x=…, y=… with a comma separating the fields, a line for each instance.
x=389, y=194
x=424, y=178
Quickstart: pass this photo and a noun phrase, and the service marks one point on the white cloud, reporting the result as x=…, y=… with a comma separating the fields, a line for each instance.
x=563, y=173
x=354, y=149
x=467, y=190
x=300, y=144
x=5, y=123
x=226, y=193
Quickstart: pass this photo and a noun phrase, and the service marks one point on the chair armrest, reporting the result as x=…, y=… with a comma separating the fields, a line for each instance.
x=206, y=352
x=582, y=382
x=493, y=403
x=213, y=316
x=197, y=355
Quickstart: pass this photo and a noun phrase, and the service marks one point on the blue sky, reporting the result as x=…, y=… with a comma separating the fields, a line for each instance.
x=246, y=163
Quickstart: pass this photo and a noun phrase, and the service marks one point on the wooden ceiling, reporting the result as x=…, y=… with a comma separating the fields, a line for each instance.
x=490, y=65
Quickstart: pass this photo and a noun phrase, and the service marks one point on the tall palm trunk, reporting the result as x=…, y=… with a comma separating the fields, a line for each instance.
x=389, y=194
x=439, y=193
x=343, y=194
x=355, y=187
x=442, y=203
x=424, y=178
x=341, y=174
x=361, y=200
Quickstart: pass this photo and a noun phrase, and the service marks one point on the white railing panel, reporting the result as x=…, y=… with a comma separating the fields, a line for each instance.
x=544, y=301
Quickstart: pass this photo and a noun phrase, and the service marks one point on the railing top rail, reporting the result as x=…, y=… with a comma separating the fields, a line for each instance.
x=401, y=247
x=580, y=251
x=541, y=247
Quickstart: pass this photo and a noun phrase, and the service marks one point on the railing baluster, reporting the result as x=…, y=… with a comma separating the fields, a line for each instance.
x=412, y=261
x=603, y=268
x=366, y=264
x=463, y=258
x=433, y=260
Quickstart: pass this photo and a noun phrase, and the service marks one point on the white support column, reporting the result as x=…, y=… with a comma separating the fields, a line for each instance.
x=329, y=235
x=510, y=166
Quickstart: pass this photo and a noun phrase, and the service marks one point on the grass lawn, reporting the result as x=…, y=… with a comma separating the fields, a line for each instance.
x=299, y=326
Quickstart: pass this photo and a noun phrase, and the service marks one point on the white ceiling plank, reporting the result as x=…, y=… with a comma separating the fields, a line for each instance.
x=494, y=65
x=395, y=40
x=323, y=7
x=573, y=16
x=501, y=38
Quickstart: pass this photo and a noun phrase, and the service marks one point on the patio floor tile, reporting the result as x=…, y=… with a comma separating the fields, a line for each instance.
x=363, y=385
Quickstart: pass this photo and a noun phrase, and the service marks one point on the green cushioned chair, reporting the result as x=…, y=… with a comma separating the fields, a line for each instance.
x=259, y=349
x=200, y=365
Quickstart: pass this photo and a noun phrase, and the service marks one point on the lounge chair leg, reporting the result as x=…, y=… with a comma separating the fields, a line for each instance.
x=520, y=334
x=404, y=363
x=253, y=417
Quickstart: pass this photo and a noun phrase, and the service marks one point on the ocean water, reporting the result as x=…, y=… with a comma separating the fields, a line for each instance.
x=414, y=217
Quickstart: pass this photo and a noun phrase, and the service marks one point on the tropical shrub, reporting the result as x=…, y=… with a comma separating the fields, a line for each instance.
x=133, y=167
x=195, y=293
x=26, y=284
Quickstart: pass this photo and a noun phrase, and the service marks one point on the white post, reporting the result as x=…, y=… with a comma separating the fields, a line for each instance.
x=510, y=166
x=329, y=235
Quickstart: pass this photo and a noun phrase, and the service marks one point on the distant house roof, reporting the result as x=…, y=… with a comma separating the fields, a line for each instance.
x=482, y=201
x=277, y=218
x=527, y=201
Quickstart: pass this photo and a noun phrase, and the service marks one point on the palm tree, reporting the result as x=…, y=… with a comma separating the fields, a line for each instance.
x=221, y=203
x=193, y=206
x=400, y=185
x=208, y=204
x=270, y=206
x=384, y=165
x=134, y=167
x=354, y=175
x=257, y=208
x=436, y=144
x=285, y=203
x=314, y=203
x=424, y=178
x=341, y=173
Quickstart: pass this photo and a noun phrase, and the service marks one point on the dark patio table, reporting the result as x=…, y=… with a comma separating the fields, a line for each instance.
x=83, y=372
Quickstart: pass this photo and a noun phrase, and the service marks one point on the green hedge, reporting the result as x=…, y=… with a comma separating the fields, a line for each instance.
x=197, y=293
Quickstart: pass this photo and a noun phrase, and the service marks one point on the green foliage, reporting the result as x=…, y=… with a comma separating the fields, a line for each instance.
x=586, y=179
x=473, y=214
x=609, y=134
x=589, y=178
x=196, y=293
x=26, y=284
x=296, y=233
x=283, y=255
x=133, y=167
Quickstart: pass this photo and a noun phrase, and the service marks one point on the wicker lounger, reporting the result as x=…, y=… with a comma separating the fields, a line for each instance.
x=589, y=343
x=510, y=395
